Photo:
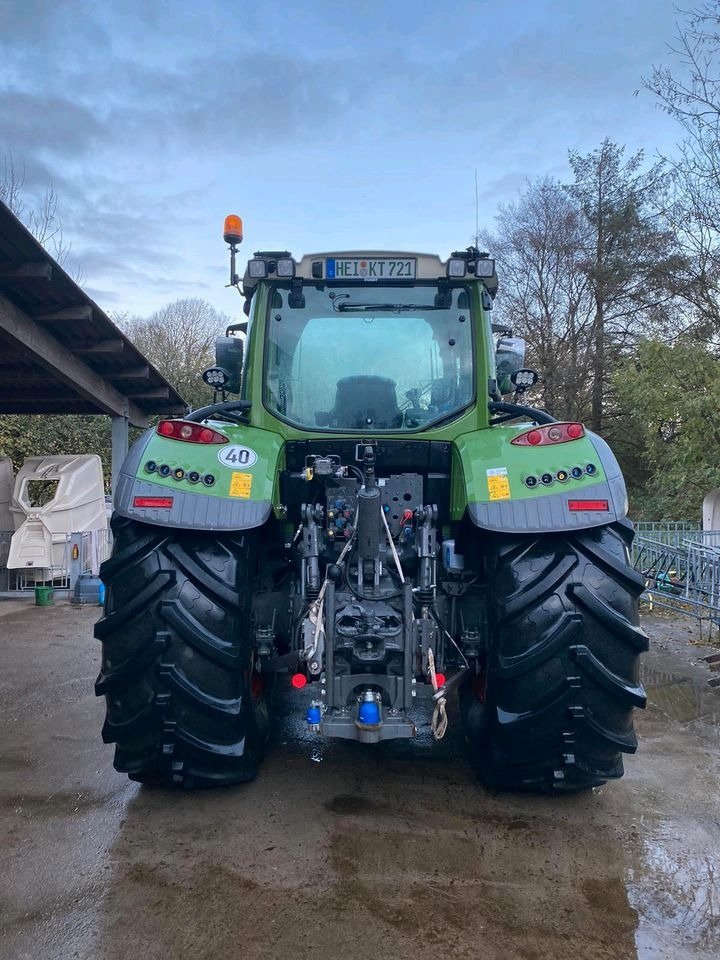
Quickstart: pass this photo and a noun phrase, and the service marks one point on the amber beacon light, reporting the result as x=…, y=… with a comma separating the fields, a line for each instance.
x=233, y=229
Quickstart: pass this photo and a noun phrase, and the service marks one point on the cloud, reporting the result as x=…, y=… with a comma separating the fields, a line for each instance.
x=34, y=25
x=35, y=123
x=152, y=119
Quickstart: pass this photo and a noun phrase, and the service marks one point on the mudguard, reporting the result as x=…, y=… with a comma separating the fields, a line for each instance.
x=234, y=489
x=490, y=481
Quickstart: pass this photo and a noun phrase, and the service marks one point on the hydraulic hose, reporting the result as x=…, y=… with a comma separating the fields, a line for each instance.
x=225, y=409
x=518, y=410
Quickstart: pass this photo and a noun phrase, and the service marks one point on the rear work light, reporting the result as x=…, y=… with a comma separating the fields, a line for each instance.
x=550, y=433
x=456, y=267
x=162, y=503
x=588, y=505
x=189, y=432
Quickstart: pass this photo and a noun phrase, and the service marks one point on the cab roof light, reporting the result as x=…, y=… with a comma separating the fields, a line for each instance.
x=578, y=505
x=285, y=267
x=189, y=432
x=257, y=268
x=549, y=434
x=456, y=267
x=484, y=267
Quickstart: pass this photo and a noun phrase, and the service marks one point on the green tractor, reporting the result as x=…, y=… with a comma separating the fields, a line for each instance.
x=371, y=523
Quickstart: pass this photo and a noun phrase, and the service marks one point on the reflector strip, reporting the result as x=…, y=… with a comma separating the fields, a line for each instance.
x=588, y=505
x=163, y=503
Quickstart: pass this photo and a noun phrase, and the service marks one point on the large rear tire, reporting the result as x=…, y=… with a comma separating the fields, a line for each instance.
x=183, y=706
x=552, y=710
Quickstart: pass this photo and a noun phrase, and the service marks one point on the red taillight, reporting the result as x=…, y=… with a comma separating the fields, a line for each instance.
x=162, y=503
x=298, y=680
x=588, y=505
x=549, y=433
x=440, y=677
x=189, y=432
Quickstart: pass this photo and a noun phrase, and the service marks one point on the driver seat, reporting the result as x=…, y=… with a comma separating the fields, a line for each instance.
x=366, y=402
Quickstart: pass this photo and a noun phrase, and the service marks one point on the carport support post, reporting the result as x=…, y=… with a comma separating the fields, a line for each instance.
x=119, y=447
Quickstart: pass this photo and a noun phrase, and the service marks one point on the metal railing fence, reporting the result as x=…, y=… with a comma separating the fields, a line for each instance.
x=672, y=531
x=681, y=567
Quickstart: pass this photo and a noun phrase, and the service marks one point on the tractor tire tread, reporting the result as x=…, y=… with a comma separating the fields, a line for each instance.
x=177, y=656
x=562, y=670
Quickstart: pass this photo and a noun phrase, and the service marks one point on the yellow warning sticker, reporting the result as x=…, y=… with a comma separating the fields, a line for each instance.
x=498, y=483
x=241, y=485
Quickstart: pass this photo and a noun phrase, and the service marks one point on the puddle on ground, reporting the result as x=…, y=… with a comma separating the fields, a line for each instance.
x=675, y=890
x=679, y=698
x=674, y=880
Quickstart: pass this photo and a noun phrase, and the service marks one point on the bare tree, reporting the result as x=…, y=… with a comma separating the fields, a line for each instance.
x=630, y=255
x=586, y=268
x=179, y=340
x=43, y=221
x=546, y=295
x=691, y=95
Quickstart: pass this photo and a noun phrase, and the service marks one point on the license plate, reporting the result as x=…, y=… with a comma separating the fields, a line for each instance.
x=361, y=268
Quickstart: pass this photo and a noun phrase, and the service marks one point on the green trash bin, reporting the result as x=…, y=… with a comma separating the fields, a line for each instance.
x=44, y=597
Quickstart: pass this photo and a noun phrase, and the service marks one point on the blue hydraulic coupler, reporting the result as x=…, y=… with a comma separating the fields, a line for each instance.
x=313, y=717
x=369, y=713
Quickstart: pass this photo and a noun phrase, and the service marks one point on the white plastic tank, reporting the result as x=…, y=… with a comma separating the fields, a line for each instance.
x=452, y=561
x=711, y=518
x=52, y=498
x=7, y=478
x=711, y=511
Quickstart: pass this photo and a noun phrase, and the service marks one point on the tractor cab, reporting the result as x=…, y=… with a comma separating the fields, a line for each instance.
x=371, y=341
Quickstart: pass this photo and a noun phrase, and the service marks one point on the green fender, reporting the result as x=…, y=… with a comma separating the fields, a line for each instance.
x=235, y=488
x=490, y=477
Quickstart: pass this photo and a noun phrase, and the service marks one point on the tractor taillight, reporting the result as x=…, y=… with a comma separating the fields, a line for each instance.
x=550, y=433
x=189, y=432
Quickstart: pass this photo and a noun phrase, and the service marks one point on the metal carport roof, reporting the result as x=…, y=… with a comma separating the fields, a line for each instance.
x=59, y=352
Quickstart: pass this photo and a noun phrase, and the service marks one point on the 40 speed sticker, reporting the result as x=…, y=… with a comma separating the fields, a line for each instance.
x=236, y=455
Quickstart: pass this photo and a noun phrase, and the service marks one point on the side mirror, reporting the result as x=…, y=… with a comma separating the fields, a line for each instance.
x=229, y=356
x=509, y=358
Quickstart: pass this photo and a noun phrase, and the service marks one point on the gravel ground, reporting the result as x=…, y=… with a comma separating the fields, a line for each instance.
x=342, y=851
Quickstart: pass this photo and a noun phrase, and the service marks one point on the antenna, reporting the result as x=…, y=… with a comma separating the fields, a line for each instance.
x=477, y=209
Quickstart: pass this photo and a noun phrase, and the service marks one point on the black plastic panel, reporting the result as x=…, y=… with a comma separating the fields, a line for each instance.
x=430, y=459
x=392, y=456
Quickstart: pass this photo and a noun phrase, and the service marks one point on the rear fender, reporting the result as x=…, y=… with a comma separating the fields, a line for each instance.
x=490, y=477
x=243, y=473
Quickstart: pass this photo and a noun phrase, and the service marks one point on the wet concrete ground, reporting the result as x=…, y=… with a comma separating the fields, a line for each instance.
x=344, y=851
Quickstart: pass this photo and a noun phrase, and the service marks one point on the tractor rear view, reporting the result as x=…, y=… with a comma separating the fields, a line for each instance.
x=371, y=522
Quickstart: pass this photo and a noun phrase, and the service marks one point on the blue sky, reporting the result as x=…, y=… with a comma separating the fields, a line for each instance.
x=325, y=125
